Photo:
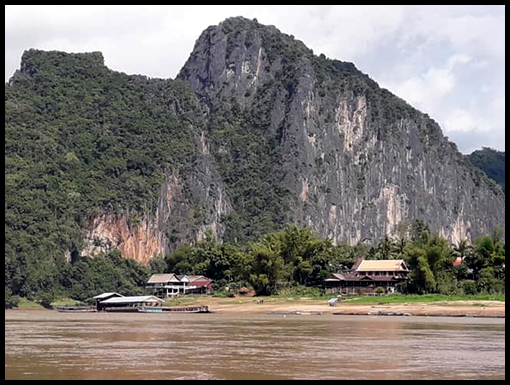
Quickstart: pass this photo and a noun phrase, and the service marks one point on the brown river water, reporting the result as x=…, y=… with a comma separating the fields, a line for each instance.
x=47, y=345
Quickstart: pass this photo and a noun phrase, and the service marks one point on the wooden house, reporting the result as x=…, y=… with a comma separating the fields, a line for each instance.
x=366, y=276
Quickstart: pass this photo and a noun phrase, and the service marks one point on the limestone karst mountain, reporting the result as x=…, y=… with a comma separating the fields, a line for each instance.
x=256, y=132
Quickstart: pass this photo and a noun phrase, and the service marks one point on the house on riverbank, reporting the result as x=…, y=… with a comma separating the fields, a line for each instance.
x=366, y=276
x=171, y=285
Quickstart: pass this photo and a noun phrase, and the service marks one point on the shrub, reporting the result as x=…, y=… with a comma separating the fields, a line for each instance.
x=302, y=291
x=402, y=288
x=469, y=288
x=46, y=299
x=222, y=294
x=10, y=300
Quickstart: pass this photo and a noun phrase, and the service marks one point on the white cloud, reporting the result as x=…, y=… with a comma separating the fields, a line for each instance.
x=458, y=59
x=426, y=91
x=445, y=59
x=461, y=120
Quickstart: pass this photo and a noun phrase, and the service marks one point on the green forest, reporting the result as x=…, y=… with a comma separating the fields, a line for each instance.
x=491, y=162
x=293, y=260
x=81, y=139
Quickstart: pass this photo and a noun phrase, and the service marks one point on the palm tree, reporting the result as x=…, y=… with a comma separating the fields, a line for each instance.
x=462, y=248
x=385, y=247
x=399, y=246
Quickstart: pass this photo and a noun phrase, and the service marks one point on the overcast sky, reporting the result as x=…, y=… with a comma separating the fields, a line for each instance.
x=446, y=60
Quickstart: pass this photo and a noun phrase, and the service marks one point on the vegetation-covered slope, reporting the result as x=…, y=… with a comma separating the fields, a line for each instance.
x=79, y=140
x=491, y=162
x=257, y=132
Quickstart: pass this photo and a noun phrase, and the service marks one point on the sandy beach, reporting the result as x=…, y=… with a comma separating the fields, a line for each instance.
x=306, y=305
x=250, y=305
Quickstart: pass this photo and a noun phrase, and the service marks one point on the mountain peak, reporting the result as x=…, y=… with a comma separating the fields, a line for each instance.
x=240, y=21
x=33, y=60
x=332, y=138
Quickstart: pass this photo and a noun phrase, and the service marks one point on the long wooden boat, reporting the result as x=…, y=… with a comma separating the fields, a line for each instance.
x=187, y=309
x=159, y=310
x=76, y=309
x=184, y=309
x=296, y=313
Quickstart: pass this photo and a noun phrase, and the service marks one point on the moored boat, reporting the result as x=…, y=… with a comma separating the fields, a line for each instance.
x=76, y=309
x=159, y=309
x=184, y=309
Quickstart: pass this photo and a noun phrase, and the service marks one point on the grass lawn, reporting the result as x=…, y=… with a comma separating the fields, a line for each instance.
x=399, y=298
x=25, y=304
x=66, y=302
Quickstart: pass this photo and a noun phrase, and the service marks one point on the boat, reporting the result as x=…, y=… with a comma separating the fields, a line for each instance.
x=187, y=309
x=184, y=309
x=157, y=309
x=296, y=313
x=76, y=309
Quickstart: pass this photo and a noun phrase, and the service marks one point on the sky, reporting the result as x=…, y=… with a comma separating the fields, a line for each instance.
x=446, y=60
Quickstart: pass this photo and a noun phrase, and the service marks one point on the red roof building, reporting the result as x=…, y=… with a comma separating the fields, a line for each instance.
x=458, y=261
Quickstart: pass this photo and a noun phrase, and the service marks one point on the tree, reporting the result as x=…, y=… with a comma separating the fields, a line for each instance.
x=422, y=277
x=482, y=256
x=439, y=254
x=46, y=299
x=462, y=248
x=181, y=261
x=419, y=232
x=385, y=248
x=10, y=300
x=491, y=162
x=268, y=269
x=157, y=265
x=487, y=283
x=380, y=290
x=399, y=246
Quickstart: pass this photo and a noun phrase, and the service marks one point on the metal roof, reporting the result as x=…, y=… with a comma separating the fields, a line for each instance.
x=160, y=278
x=202, y=282
x=383, y=265
x=166, y=278
x=193, y=278
x=358, y=262
x=107, y=295
x=182, y=278
x=146, y=298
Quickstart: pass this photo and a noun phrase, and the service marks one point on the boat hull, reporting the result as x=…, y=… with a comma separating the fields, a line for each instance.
x=76, y=310
x=159, y=310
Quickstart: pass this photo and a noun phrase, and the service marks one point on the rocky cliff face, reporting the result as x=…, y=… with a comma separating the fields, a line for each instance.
x=357, y=160
x=256, y=133
x=176, y=221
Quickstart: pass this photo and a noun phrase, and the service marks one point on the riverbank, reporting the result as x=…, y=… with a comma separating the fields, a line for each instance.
x=412, y=305
x=470, y=308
